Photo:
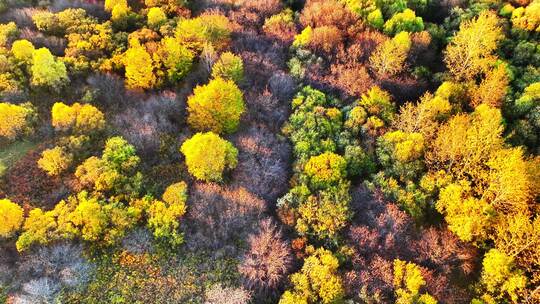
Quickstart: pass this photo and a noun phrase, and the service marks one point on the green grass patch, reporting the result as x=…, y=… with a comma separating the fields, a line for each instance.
x=12, y=153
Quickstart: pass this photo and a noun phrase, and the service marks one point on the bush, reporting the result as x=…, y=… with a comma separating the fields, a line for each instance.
x=216, y=107
x=208, y=156
x=11, y=218
x=229, y=67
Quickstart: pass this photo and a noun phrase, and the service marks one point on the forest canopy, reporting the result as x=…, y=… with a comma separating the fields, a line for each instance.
x=270, y=151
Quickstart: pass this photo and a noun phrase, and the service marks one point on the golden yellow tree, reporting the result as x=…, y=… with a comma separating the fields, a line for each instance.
x=471, y=50
x=208, y=156
x=55, y=161
x=389, y=57
x=11, y=218
x=14, y=119
x=317, y=282
x=139, y=67
x=216, y=107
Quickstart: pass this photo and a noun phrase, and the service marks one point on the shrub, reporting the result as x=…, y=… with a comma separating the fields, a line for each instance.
x=226, y=295
x=216, y=107
x=208, y=156
x=55, y=161
x=11, y=218
x=229, y=67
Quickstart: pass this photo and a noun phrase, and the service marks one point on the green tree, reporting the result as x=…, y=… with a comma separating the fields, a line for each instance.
x=208, y=156
x=115, y=172
x=211, y=28
x=216, y=107
x=177, y=58
x=404, y=21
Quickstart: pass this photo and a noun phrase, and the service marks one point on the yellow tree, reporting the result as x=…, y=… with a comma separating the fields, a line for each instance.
x=389, y=57
x=471, y=50
x=501, y=279
x=317, y=282
x=216, y=107
x=139, y=67
x=156, y=17
x=55, y=161
x=11, y=218
x=208, y=156
x=48, y=71
x=408, y=281
x=14, y=119
x=163, y=216
x=22, y=50
x=82, y=119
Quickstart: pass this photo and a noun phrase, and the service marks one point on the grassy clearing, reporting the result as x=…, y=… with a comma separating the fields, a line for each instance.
x=12, y=153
